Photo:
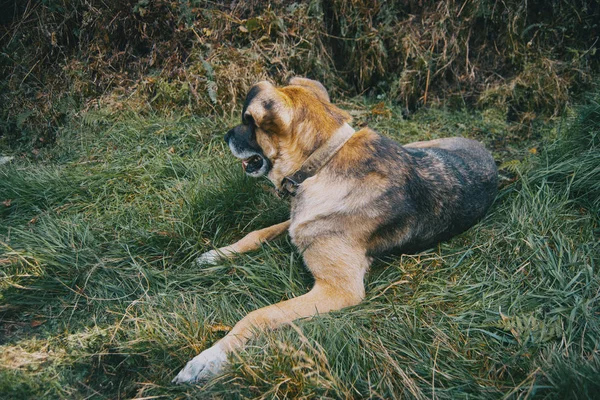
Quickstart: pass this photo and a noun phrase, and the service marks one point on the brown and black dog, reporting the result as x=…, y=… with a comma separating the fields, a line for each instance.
x=356, y=195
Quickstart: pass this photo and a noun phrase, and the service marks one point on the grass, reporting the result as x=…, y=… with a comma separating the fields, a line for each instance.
x=99, y=298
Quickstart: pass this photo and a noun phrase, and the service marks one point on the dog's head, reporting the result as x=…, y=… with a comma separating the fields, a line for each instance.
x=281, y=127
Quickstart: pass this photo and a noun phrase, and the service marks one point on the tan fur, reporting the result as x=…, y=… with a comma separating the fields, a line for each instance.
x=339, y=263
x=289, y=138
x=254, y=240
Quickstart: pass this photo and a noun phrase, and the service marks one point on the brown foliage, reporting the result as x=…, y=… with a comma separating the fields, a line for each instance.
x=201, y=56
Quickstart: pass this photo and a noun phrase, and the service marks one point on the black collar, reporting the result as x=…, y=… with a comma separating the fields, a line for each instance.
x=317, y=160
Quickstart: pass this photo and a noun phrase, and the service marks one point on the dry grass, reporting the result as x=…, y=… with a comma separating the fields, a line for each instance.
x=199, y=57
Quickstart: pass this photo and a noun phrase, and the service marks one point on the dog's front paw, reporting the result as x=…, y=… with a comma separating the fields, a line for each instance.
x=205, y=365
x=209, y=258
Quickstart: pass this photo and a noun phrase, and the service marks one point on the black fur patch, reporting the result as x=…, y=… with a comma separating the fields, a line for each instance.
x=433, y=193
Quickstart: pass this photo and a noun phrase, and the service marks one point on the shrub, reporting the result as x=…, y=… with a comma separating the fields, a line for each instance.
x=62, y=55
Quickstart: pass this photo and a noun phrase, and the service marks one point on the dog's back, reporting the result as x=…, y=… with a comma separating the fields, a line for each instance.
x=439, y=189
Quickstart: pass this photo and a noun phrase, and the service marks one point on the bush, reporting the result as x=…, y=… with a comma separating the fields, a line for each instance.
x=201, y=56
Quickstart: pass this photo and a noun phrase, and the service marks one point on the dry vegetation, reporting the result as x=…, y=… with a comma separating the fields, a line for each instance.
x=60, y=56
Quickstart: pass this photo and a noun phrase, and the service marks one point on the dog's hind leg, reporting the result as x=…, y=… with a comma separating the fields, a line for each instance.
x=251, y=241
x=338, y=284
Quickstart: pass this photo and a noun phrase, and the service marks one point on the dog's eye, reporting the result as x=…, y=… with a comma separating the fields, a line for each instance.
x=247, y=119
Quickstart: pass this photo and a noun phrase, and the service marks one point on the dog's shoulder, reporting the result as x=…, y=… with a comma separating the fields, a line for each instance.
x=368, y=153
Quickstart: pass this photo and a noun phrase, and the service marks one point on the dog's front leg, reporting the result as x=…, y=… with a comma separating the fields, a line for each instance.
x=251, y=241
x=338, y=284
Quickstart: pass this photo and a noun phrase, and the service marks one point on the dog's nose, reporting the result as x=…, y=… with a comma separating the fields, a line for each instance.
x=228, y=135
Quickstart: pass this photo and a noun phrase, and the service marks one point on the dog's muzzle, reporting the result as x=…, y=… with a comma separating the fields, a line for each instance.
x=243, y=145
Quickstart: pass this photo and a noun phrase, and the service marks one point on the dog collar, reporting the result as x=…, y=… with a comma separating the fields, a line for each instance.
x=317, y=160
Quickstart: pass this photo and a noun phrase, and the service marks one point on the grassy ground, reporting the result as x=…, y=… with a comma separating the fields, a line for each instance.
x=99, y=298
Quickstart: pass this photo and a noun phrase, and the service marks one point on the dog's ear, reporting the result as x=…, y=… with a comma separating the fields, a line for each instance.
x=315, y=86
x=266, y=106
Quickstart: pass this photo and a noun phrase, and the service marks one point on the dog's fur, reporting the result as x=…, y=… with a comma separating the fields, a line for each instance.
x=372, y=198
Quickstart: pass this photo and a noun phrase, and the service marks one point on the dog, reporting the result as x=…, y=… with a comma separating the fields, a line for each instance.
x=355, y=195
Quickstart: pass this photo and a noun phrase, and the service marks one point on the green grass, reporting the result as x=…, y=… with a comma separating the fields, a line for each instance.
x=99, y=298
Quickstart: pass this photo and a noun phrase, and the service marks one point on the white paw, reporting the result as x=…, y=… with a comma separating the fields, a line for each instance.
x=209, y=258
x=205, y=365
